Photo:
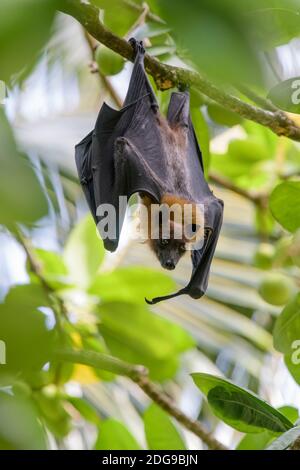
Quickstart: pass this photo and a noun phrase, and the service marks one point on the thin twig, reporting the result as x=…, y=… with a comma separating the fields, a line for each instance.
x=256, y=198
x=167, y=76
x=139, y=22
x=150, y=16
x=139, y=374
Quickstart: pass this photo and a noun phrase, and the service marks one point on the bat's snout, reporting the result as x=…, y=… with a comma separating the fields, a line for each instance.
x=169, y=264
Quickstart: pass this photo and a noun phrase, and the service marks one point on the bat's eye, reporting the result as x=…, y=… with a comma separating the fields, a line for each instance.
x=164, y=242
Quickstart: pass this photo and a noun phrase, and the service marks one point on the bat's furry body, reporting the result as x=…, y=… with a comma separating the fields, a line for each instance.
x=176, y=192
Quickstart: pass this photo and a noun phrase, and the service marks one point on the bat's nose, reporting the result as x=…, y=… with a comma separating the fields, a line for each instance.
x=169, y=264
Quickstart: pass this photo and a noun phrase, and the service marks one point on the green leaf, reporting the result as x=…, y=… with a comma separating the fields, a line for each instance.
x=151, y=29
x=287, y=327
x=285, y=95
x=19, y=426
x=52, y=411
x=202, y=133
x=285, y=440
x=157, y=51
x=260, y=440
x=119, y=17
x=160, y=432
x=273, y=22
x=285, y=204
x=25, y=27
x=83, y=252
x=238, y=407
x=248, y=150
x=113, y=435
x=292, y=362
x=257, y=441
x=22, y=198
x=136, y=335
x=203, y=26
x=132, y=283
x=53, y=268
x=223, y=116
x=86, y=410
x=23, y=328
x=290, y=412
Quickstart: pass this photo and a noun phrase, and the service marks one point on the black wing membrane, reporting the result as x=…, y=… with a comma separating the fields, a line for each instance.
x=125, y=154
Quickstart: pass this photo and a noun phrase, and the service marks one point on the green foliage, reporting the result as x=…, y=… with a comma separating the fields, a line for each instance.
x=104, y=311
x=135, y=335
x=285, y=440
x=113, y=435
x=52, y=410
x=24, y=329
x=21, y=35
x=285, y=204
x=53, y=268
x=285, y=95
x=131, y=284
x=248, y=161
x=19, y=427
x=261, y=440
x=258, y=441
x=287, y=326
x=86, y=410
x=203, y=26
x=160, y=432
x=17, y=204
x=292, y=361
x=83, y=252
x=238, y=407
x=223, y=116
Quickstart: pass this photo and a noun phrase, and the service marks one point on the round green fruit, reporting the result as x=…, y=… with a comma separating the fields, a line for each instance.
x=264, y=255
x=108, y=61
x=276, y=289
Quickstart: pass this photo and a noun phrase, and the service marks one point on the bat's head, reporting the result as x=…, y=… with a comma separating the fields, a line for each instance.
x=168, y=251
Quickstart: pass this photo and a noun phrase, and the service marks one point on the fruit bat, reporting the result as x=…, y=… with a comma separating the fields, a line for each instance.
x=137, y=150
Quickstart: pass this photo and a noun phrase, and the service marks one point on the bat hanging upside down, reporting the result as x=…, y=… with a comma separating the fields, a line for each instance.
x=137, y=150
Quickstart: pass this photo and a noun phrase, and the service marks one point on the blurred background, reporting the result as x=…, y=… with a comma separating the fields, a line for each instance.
x=58, y=285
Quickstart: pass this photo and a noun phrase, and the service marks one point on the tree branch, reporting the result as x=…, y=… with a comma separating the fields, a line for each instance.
x=296, y=444
x=257, y=198
x=167, y=76
x=139, y=374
